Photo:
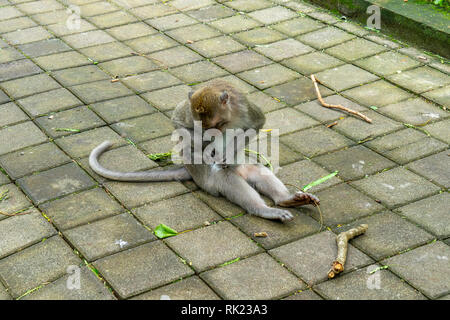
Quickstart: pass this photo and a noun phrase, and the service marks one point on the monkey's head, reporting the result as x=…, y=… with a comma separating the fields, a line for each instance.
x=211, y=107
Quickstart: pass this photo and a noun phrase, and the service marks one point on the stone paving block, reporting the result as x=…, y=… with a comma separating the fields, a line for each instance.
x=92, y=9
x=100, y=90
x=384, y=40
x=440, y=65
x=439, y=130
x=324, y=17
x=320, y=140
x=240, y=61
x=171, y=21
x=174, y=57
x=431, y=213
x=193, y=33
x=44, y=47
x=142, y=268
x=296, y=91
x=235, y=24
x=430, y=274
x=355, y=49
x=325, y=37
x=338, y=212
x=3, y=178
x=15, y=200
x=278, y=233
x=360, y=130
x=388, y=234
x=80, y=208
x=268, y=76
x=396, y=187
x=310, y=258
x=17, y=69
x=352, y=28
x=168, y=98
x=248, y=5
x=387, y=63
x=325, y=115
x=272, y=15
x=338, y=77
x=303, y=7
x=148, y=44
x=118, y=109
x=414, y=111
x=133, y=195
x=3, y=97
x=22, y=231
x=354, y=286
x=9, y=12
x=81, y=144
x=79, y=75
x=435, y=168
x=440, y=96
x=62, y=60
x=152, y=11
x=180, y=213
x=214, y=12
x=221, y=205
x=55, y=183
x=303, y=172
x=192, y=288
x=420, y=79
x=198, y=72
x=378, y=93
x=51, y=17
x=297, y=26
x=10, y=54
x=108, y=51
x=355, y=162
x=61, y=29
x=16, y=24
x=131, y=31
x=105, y=237
x=265, y=102
x=312, y=62
x=27, y=35
x=33, y=159
x=258, y=36
x=145, y=127
x=124, y=159
x=211, y=246
x=151, y=81
x=283, y=49
x=304, y=295
x=50, y=101
x=11, y=114
x=4, y=295
x=78, y=119
x=91, y=288
x=29, y=85
x=20, y=136
x=36, y=265
x=288, y=120
x=185, y=5
x=39, y=6
x=258, y=277
x=112, y=19
x=128, y=66
x=216, y=46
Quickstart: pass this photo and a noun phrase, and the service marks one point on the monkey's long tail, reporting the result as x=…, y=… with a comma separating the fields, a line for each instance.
x=179, y=174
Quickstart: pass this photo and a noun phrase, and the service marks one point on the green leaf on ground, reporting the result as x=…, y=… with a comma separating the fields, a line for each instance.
x=162, y=231
x=319, y=181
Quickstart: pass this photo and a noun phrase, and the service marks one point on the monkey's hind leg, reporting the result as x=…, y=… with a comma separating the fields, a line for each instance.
x=268, y=184
x=237, y=190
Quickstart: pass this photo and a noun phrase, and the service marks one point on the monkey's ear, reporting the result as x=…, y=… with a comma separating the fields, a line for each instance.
x=224, y=97
x=190, y=94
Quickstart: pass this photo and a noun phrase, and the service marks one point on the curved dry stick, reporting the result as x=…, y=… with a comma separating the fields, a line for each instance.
x=342, y=243
x=337, y=106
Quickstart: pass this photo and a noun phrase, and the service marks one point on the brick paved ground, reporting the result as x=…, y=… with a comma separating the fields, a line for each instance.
x=393, y=174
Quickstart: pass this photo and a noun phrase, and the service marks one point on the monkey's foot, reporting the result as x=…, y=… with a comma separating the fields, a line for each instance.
x=300, y=199
x=276, y=214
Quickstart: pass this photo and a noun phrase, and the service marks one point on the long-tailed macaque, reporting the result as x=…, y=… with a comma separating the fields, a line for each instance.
x=220, y=105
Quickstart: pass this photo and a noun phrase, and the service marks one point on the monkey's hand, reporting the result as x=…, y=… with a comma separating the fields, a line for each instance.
x=300, y=199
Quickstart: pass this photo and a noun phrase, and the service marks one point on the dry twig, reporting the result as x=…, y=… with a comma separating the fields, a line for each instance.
x=337, y=106
x=342, y=243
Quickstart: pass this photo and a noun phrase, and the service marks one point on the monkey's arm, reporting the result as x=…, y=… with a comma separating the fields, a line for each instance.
x=179, y=174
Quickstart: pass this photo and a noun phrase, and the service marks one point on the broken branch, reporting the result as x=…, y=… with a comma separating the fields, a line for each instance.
x=337, y=106
x=342, y=244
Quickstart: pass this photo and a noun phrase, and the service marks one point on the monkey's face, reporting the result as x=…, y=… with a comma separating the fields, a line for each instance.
x=209, y=107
